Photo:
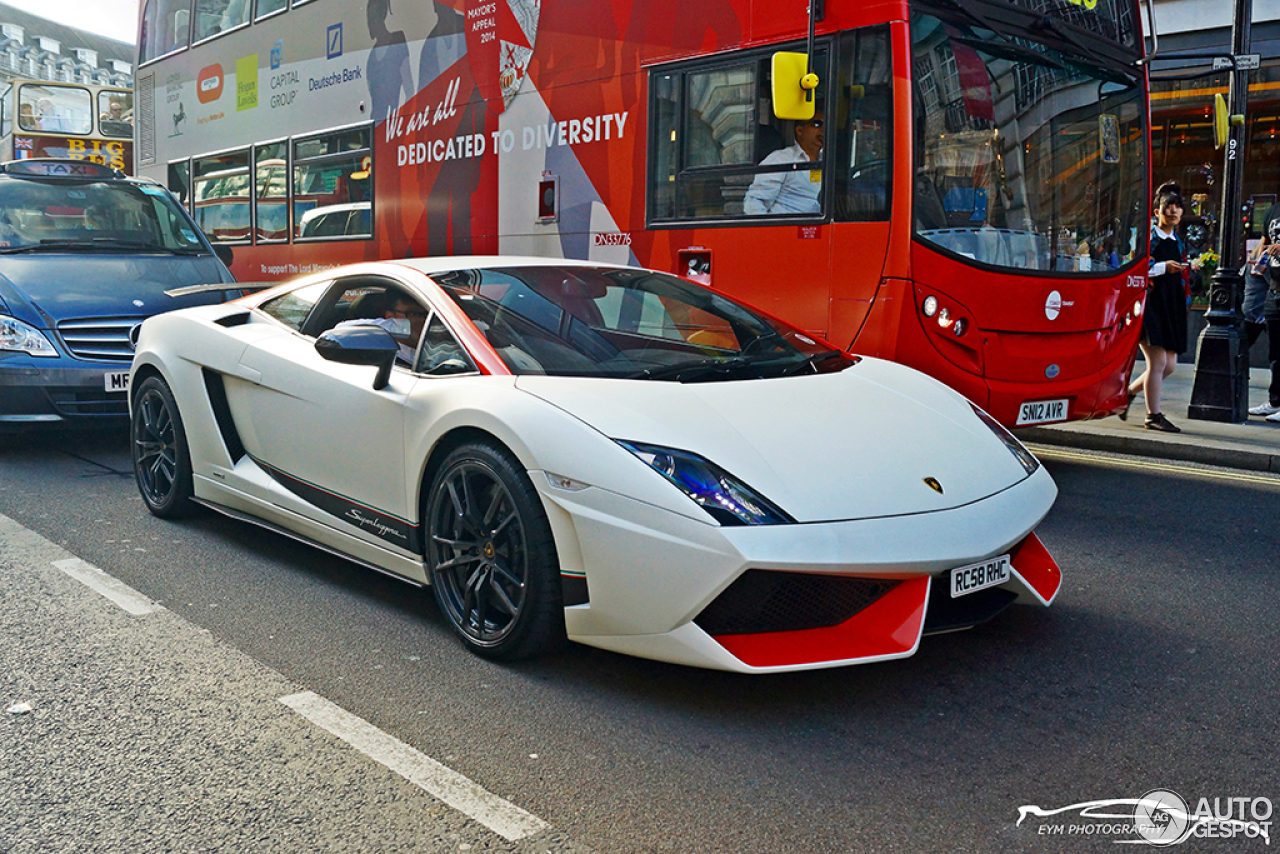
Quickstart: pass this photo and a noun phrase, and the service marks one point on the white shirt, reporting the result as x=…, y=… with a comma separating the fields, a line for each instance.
x=785, y=192
x=1158, y=268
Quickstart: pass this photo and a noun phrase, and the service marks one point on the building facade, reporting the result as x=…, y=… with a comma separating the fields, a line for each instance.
x=1182, y=94
x=34, y=47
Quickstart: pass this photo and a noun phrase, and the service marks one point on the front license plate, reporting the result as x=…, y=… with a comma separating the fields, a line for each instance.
x=1041, y=412
x=116, y=381
x=979, y=576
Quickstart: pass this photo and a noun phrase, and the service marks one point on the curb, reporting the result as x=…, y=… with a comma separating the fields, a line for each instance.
x=1166, y=449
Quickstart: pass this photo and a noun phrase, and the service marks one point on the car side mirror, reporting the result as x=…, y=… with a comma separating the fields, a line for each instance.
x=361, y=345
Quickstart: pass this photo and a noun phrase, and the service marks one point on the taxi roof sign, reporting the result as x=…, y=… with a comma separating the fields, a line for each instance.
x=58, y=168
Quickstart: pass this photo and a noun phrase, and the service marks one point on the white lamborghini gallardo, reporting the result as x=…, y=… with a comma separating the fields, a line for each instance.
x=608, y=455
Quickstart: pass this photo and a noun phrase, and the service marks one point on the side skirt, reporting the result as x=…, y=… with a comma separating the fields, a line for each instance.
x=293, y=535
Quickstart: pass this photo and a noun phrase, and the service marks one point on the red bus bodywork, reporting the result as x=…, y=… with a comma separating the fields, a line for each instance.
x=449, y=158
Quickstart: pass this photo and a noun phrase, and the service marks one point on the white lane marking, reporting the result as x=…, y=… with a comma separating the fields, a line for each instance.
x=112, y=588
x=502, y=817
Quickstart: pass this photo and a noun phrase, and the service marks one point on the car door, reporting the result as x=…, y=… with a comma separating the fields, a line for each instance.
x=332, y=446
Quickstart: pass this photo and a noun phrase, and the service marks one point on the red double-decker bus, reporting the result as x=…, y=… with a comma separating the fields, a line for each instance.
x=967, y=192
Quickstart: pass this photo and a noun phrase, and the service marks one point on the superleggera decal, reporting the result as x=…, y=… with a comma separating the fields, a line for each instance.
x=384, y=526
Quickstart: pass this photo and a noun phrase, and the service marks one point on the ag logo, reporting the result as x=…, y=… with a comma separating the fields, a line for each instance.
x=1161, y=817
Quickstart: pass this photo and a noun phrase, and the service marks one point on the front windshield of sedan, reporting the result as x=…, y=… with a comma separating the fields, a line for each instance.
x=605, y=322
x=79, y=215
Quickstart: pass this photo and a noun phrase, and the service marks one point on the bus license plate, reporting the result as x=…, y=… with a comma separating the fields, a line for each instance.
x=1041, y=412
x=979, y=576
x=116, y=381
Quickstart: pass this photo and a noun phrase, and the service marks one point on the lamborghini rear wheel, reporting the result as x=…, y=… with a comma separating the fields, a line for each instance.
x=161, y=458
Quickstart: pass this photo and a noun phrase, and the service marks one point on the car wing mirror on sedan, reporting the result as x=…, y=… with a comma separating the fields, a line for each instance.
x=361, y=345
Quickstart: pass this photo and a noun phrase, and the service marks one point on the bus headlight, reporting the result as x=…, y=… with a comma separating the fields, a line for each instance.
x=930, y=307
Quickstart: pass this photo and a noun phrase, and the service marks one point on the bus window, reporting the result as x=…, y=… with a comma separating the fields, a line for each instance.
x=862, y=126
x=718, y=152
x=271, y=192
x=60, y=109
x=166, y=26
x=269, y=7
x=218, y=16
x=115, y=114
x=220, y=197
x=333, y=185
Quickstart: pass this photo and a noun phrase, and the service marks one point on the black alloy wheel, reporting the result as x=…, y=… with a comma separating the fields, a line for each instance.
x=491, y=555
x=161, y=459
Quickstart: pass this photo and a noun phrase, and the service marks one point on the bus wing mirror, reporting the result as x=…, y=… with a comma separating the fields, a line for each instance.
x=793, y=86
x=1223, y=121
x=224, y=253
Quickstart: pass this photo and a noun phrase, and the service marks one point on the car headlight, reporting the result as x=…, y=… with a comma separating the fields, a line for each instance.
x=18, y=336
x=1028, y=459
x=727, y=499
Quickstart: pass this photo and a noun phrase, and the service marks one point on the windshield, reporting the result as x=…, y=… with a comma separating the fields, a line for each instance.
x=1025, y=158
x=606, y=322
x=91, y=216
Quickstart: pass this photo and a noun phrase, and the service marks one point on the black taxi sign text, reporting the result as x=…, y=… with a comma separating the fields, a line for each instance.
x=59, y=168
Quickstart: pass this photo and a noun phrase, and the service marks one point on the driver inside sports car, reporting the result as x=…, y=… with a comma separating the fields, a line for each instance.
x=404, y=319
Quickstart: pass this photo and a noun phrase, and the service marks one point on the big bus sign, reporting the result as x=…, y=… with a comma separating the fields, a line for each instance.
x=958, y=166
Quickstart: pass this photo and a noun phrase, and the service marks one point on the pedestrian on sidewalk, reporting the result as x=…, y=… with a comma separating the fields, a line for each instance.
x=1164, y=320
x=1270, y=250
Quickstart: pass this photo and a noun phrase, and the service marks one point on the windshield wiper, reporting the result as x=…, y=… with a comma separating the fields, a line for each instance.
x=693, y=371
x=55, y=244
x=813, y=362
x=1089, y=57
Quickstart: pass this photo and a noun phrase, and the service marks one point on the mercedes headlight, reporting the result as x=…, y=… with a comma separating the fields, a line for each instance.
x=727, y=499
x=1019, y=451
x=19, y=337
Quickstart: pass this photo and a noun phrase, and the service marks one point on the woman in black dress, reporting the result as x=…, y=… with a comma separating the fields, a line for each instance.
x=1164, y=321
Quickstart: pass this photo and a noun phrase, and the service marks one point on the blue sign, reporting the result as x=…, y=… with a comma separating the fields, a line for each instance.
x=277, y=54
x=334, y=41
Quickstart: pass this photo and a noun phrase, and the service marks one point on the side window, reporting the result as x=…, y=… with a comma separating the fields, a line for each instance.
x=441, y=353
x=271, y=192
x=221, y=195
x=217, y=16
x=292, y=308
x=333, y=185
x=115, y=114
x=718, y=152
x=166, y=27
x=862, y=128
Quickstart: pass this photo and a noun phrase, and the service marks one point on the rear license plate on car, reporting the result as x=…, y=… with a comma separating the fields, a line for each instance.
x=116, y=381
x=979, y=576
x=1041, y=412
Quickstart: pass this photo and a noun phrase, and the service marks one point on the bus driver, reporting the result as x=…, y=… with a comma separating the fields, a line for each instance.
x=790, y=192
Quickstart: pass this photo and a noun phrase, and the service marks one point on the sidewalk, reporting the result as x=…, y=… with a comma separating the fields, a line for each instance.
x=1253, y=445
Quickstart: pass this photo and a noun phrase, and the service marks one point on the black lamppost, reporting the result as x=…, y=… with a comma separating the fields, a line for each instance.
x=1220, y=391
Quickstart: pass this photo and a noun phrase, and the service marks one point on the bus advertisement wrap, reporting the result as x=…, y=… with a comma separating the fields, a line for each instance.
x=974, y=160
